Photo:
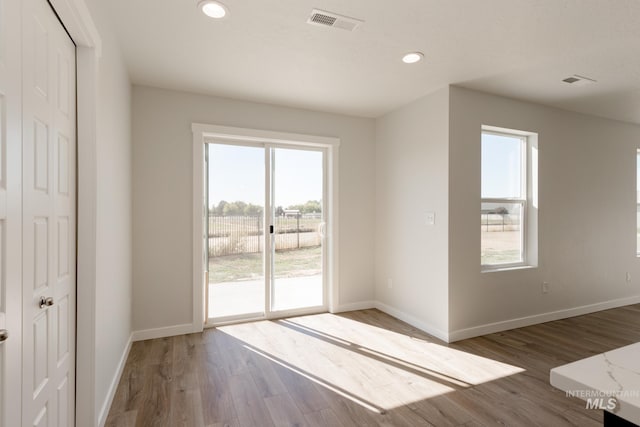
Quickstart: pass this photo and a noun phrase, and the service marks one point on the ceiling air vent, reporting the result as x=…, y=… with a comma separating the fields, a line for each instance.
x=577, y=80
x=330, y=19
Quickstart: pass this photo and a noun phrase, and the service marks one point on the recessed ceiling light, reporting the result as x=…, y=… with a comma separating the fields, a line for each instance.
x=213, y=9
x=412, y=57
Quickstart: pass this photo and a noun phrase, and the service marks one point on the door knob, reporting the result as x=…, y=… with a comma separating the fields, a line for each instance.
x=4, y=335
x=46, y=302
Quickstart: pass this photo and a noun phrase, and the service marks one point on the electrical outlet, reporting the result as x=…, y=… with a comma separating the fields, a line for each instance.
x=628, y=277
x=545, y=287
x=389, y=283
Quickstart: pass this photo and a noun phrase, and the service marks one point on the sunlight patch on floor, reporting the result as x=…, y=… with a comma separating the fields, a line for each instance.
x=375, y=367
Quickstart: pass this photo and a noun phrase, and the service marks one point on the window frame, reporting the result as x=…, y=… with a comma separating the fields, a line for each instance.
x=523, y=200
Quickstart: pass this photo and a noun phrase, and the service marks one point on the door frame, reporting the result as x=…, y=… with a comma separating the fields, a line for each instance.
x=268, y=238
x=224, y=134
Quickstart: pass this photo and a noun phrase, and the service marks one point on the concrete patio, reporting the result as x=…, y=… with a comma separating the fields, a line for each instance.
x=247, y=296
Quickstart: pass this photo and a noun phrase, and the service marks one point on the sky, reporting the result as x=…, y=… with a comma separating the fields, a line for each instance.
x=237, y=173
x=501, y=166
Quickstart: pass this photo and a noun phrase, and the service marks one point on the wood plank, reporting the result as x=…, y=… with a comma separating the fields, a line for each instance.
x=442, y=411
x=217, y=401
x=231, y=423
x=302, y=390
x=284, y=411
x=349, y=412
x=249, y=404
x=124, y=419
x=156, y=405
x=264, y=375
x=186, y=408
x=323, y=418
x=187, y=363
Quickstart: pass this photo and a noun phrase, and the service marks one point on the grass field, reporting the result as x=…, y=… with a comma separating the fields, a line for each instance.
x=288, y=263
x=500, y=247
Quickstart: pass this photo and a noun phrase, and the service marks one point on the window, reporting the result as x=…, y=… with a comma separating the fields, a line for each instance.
x=638, y=202
x=505, y=198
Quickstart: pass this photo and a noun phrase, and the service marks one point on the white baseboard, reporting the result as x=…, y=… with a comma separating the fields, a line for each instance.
x=363, y=305
x=521, y=322
x=452, y=336
x=168, y=331
x=104, y=411
x=412, y=320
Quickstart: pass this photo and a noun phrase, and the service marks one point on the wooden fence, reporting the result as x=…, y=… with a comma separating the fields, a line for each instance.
x=234, y=235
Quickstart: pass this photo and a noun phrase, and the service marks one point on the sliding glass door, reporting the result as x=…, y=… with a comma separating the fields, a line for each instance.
x=235, y=220
x=265, y=225
x=296, y=250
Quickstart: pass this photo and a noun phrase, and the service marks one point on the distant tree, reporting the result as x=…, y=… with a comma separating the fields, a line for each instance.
x=279, y=211
x=234, y=208
x=252, y=210
x=312, y=206
x=219, y=210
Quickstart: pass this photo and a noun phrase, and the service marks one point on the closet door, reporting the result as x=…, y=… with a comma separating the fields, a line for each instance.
x=10, y=215
x=48, y=171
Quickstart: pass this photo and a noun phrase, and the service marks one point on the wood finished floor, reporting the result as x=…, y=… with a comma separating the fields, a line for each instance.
x=362, y=368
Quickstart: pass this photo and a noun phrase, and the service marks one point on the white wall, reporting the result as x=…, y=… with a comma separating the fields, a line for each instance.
x=587, y=216
x=162, y=176
x=412, y=179
x=113, y=287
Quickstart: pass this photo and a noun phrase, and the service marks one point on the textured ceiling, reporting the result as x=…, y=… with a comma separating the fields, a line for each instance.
x=266, y=52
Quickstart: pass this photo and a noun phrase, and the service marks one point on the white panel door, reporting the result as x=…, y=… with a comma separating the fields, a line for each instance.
x=10, y=214
x=48, y=230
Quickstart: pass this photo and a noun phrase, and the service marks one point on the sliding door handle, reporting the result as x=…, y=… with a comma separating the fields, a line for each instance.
x=322, y=229
x=4, y=335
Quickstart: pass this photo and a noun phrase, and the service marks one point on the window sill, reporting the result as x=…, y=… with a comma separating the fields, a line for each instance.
x=507, y=268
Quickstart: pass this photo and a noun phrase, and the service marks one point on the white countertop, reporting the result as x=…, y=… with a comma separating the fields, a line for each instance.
x=615, y=373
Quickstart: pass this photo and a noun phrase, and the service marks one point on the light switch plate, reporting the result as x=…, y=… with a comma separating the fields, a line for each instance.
x=430, y=218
